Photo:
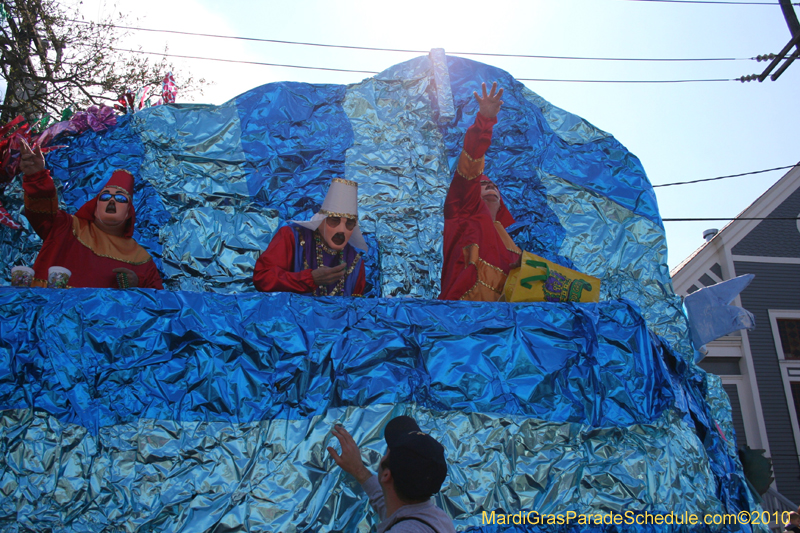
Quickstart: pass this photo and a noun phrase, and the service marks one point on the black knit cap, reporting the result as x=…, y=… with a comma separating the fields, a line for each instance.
x=416, y=459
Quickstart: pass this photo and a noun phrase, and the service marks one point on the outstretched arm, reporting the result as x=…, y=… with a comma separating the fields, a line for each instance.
x=350, y=461
x=463, y=197
x=479, y=135
x=41, y=201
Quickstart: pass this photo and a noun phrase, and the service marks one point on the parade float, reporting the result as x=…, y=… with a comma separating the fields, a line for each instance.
x=208, y=406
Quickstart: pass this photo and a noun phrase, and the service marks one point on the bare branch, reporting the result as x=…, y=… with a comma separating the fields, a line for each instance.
x=50, y=63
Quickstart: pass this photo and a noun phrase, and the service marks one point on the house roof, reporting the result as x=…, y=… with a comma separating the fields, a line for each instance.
x=760, y=208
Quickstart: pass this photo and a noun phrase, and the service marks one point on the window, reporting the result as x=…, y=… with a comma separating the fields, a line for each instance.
x=796, y=397
x=789, y=331
x=785, y=324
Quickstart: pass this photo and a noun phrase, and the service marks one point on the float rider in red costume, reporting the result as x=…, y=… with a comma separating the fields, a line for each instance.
x=478, y=252
x=318, y=256
x=95, y=243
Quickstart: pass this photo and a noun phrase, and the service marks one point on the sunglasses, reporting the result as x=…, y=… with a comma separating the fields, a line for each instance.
x=333, y=222
x=119, y=198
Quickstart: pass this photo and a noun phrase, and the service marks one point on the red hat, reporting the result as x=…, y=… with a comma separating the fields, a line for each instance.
x=120, y=179
x=503, y=214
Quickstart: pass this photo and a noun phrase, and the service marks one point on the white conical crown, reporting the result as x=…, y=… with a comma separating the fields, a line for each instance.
x=341, y=200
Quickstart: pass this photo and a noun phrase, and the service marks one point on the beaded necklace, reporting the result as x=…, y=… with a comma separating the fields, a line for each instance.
x=338, y=289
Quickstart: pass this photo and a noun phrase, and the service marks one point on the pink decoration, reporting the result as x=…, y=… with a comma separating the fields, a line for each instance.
x=168, y=89
x=6, y=220
x=97, y=118
x=11, y=137
x=142, y=97
x=130, y=102
x=56, y=129
x=719, y=429
x=125, y=103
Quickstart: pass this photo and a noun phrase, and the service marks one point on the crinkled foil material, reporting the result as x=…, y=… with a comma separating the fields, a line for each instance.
x=397, y=159
x=720, y=407
x=203, y=255
x=444, y=105
x=273, y=150
x=628, y=255
x=195, y=411
x=248, y=474
x=201, y=206
x=207, y=405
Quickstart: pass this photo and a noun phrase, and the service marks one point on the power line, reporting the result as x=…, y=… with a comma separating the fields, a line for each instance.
x=726, y=219
x=582, y=58
x=626, y=81
x=375, y=49
x=166, y=54
x=244, y=62
x=724, y=177
x=712, y=2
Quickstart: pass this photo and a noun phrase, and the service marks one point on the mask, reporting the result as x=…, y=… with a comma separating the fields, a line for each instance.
x=110, y=210
x=336, y=231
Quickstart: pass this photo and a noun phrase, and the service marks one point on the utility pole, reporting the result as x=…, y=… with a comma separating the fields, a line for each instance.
x=794, y=42
x=791, y=17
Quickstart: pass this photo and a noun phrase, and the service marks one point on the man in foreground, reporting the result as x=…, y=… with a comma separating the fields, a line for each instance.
x=318, y=256
x=95, y=244
x=478, y=252
x=412, y=471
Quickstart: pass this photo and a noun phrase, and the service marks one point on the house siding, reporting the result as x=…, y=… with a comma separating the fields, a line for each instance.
x=736, y=413
x=706, y=280
x=774, y=238
x=776, y=286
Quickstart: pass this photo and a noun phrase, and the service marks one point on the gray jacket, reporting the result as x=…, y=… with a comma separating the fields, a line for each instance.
x=426, y=511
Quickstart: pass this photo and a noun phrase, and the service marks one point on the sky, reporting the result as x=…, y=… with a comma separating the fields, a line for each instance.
x=679, y=131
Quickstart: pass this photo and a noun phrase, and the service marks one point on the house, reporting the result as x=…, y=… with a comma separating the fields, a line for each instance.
x=760, y=369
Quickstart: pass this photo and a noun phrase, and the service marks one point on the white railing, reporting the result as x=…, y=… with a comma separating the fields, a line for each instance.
x=775, y=504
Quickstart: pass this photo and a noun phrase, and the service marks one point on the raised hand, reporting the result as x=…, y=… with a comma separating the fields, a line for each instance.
x=350, y=458
x=489, y=105
x=30, y=161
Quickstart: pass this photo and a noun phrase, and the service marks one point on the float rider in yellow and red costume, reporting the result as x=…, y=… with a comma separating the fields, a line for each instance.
x=318, y=257
x=95, y=243
x=478, y=252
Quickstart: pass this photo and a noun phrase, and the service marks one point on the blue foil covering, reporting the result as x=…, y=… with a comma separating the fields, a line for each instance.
x=209, y=405
x=579, y=197
x=123, y=409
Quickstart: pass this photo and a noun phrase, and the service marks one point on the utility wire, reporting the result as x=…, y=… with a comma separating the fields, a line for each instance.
x=726, y=219
x=166, y=54
x=627, y=81
x=245, y=62
x=485, y=54
x=712, y=2
x=724, y=177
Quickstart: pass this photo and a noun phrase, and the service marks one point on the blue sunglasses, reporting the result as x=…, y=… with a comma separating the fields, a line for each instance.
x=119, y=198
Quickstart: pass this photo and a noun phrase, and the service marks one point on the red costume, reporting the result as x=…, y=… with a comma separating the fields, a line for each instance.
x=478, y=252
x=76, y=243
x=286, y=265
